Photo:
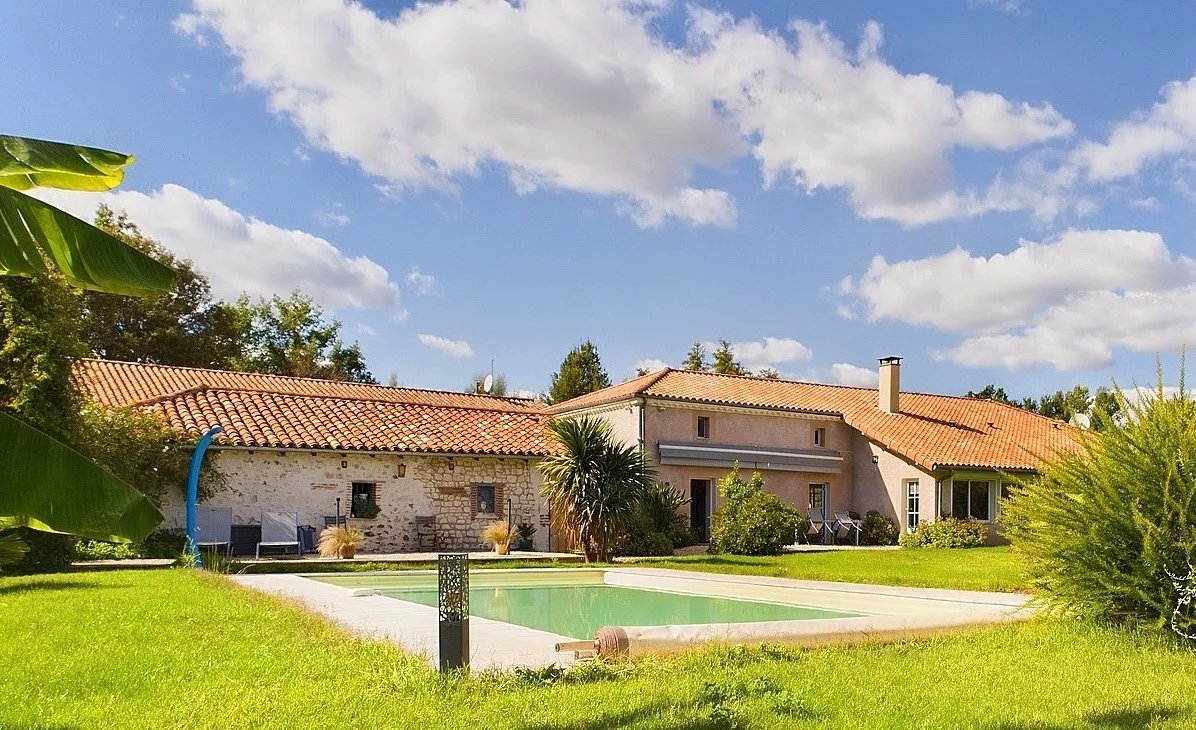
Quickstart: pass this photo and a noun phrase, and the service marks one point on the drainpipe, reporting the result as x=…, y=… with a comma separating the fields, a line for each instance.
x=193, y=491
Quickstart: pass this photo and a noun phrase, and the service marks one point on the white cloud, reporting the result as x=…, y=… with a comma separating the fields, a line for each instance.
x=523, y=393
x=771, y=351
x=848, y=374
x=240, y=254
x=452, y=348
x=960, y=292
x=1167, y=129
x=421, y=282
x=1084, y=332
x=650, y=364
x=366, y=330
x=832, y=117
x=575, y=96
x=589, y=97
x=179, y=82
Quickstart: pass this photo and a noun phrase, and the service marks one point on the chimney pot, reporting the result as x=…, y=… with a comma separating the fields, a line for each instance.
x=889, y=393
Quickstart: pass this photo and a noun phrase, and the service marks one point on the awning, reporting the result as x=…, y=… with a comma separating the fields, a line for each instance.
x=815, y=460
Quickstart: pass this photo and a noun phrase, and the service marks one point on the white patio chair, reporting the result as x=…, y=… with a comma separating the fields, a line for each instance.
x=818, y=527
x=279, y=530
x=214, y=528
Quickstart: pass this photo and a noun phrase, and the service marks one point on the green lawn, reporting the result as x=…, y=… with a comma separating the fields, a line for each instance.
x=977, y=569
x=173, y=648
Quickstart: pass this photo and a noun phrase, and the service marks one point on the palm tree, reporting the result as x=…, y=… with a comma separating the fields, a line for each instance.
x=45, y=484
x=594, y=484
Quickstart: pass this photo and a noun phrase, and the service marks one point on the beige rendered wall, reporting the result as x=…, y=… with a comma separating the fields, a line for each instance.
x=309, y=483
x=673, y=424
x=624, y=419
x=881, y=486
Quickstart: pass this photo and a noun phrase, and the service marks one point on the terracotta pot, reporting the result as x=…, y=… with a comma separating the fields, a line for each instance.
x=502, y=548
x=348, y=551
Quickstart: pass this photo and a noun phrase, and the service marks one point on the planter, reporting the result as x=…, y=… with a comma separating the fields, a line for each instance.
x=348, y=552
x=502, y=548
x=525, y=546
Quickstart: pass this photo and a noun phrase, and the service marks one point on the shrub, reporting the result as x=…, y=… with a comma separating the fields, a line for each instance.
x=498, y=533
x=751, y=521
x=1105, y=528
x=656, y=519
x=167, y=542
x=946, y=532
x=49, y=552
x=100, y=550
x=648, y=543
x=878, y=529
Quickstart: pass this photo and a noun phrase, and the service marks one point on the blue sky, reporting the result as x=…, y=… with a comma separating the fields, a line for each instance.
x=478, y=180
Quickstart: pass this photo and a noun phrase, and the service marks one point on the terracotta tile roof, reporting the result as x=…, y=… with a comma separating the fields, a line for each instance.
x=270, y=411
x=933, y=431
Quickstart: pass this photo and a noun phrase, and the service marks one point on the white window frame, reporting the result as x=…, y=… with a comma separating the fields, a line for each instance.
x=913, y=503
x=820, y=437
x=698, y=427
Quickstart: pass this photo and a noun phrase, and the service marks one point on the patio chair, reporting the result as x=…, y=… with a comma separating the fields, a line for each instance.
x=330, y=520
x=818, y=527
x=850, y=525
x=214, y=528
x=279, y=530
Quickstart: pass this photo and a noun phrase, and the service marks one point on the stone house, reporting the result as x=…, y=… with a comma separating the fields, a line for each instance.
x=450, y=461
x=911, y=456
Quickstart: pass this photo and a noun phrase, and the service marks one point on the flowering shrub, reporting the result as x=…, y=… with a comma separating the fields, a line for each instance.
x=947, y=532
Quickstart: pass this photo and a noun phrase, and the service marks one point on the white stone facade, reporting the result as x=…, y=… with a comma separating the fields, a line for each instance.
x=308, y=483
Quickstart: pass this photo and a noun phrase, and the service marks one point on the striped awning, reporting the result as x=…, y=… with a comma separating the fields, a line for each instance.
x=813, y=460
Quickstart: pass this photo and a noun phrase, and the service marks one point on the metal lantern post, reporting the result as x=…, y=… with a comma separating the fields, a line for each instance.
x=453, y=601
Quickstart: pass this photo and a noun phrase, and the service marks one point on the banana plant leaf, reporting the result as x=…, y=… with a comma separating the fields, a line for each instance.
x=36, y=163
x=46, y=485
x=32, y=232
x=88, y=257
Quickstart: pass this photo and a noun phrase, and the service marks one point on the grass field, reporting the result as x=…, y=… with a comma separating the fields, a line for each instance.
x=174, y=648
x=977, y=569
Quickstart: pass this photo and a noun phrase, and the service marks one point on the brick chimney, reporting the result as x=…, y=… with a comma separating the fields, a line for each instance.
x=890, y=385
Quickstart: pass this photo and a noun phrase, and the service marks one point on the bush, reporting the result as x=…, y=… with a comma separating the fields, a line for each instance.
x=167, y=542
x=751, y=521
x=649, y=543
x=100, y=550
x=878, y=529
x=656, y=519
x=49, y=552
x=1105, y=528
x=946, y=532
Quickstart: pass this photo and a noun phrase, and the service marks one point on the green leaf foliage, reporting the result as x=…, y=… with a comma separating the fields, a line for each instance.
x=581, y=372
x=725, y=362
x=751, y=521
x=946, y=532
x=55, y=488
x=36, y=163
x=1103, y=530
x=595, y=484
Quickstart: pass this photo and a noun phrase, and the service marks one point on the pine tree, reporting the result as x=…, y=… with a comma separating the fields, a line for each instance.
x=696, y=359
x=725, y=362
x=581, y=372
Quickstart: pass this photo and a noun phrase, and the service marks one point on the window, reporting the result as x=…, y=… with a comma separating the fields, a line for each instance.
x=911, y=504
x=487, y=499
x=703, y=427
x=971, y=500
x=818, y=498
x=364, y=501
x=820, y=437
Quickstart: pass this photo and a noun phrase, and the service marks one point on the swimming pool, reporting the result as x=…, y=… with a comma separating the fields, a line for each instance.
x=576, y=603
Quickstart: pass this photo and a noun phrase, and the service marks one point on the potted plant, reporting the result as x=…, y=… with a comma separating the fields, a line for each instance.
x=340, y=542
x=498, y=534
x=524, y=532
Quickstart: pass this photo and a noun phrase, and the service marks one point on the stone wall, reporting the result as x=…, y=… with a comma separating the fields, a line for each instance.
x=308, y=483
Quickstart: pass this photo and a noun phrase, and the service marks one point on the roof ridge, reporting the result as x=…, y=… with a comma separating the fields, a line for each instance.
x=318, y=396
x=351, y=383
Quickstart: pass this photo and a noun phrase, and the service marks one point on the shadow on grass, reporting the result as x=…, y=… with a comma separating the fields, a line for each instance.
x=633, y=718
x=1122, y=718
x=46, y=585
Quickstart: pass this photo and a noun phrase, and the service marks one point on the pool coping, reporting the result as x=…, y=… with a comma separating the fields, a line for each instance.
x=888, y=613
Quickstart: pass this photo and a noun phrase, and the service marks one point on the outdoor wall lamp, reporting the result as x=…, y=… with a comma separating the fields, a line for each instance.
x=452, y=465
x=875, y=459
x=402, y=470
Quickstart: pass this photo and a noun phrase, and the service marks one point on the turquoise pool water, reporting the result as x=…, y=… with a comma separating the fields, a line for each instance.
x=577, y=606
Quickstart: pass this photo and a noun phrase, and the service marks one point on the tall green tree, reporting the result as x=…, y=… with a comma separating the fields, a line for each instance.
x=181, y=327
x=594, y=485
x=1107, y=409
x=695, y=359
x=44, y=484
x=291, y=336
x=498, y=386
x=725, y=362
x=581, y=372
x=992, y=392
x=1065, y=404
